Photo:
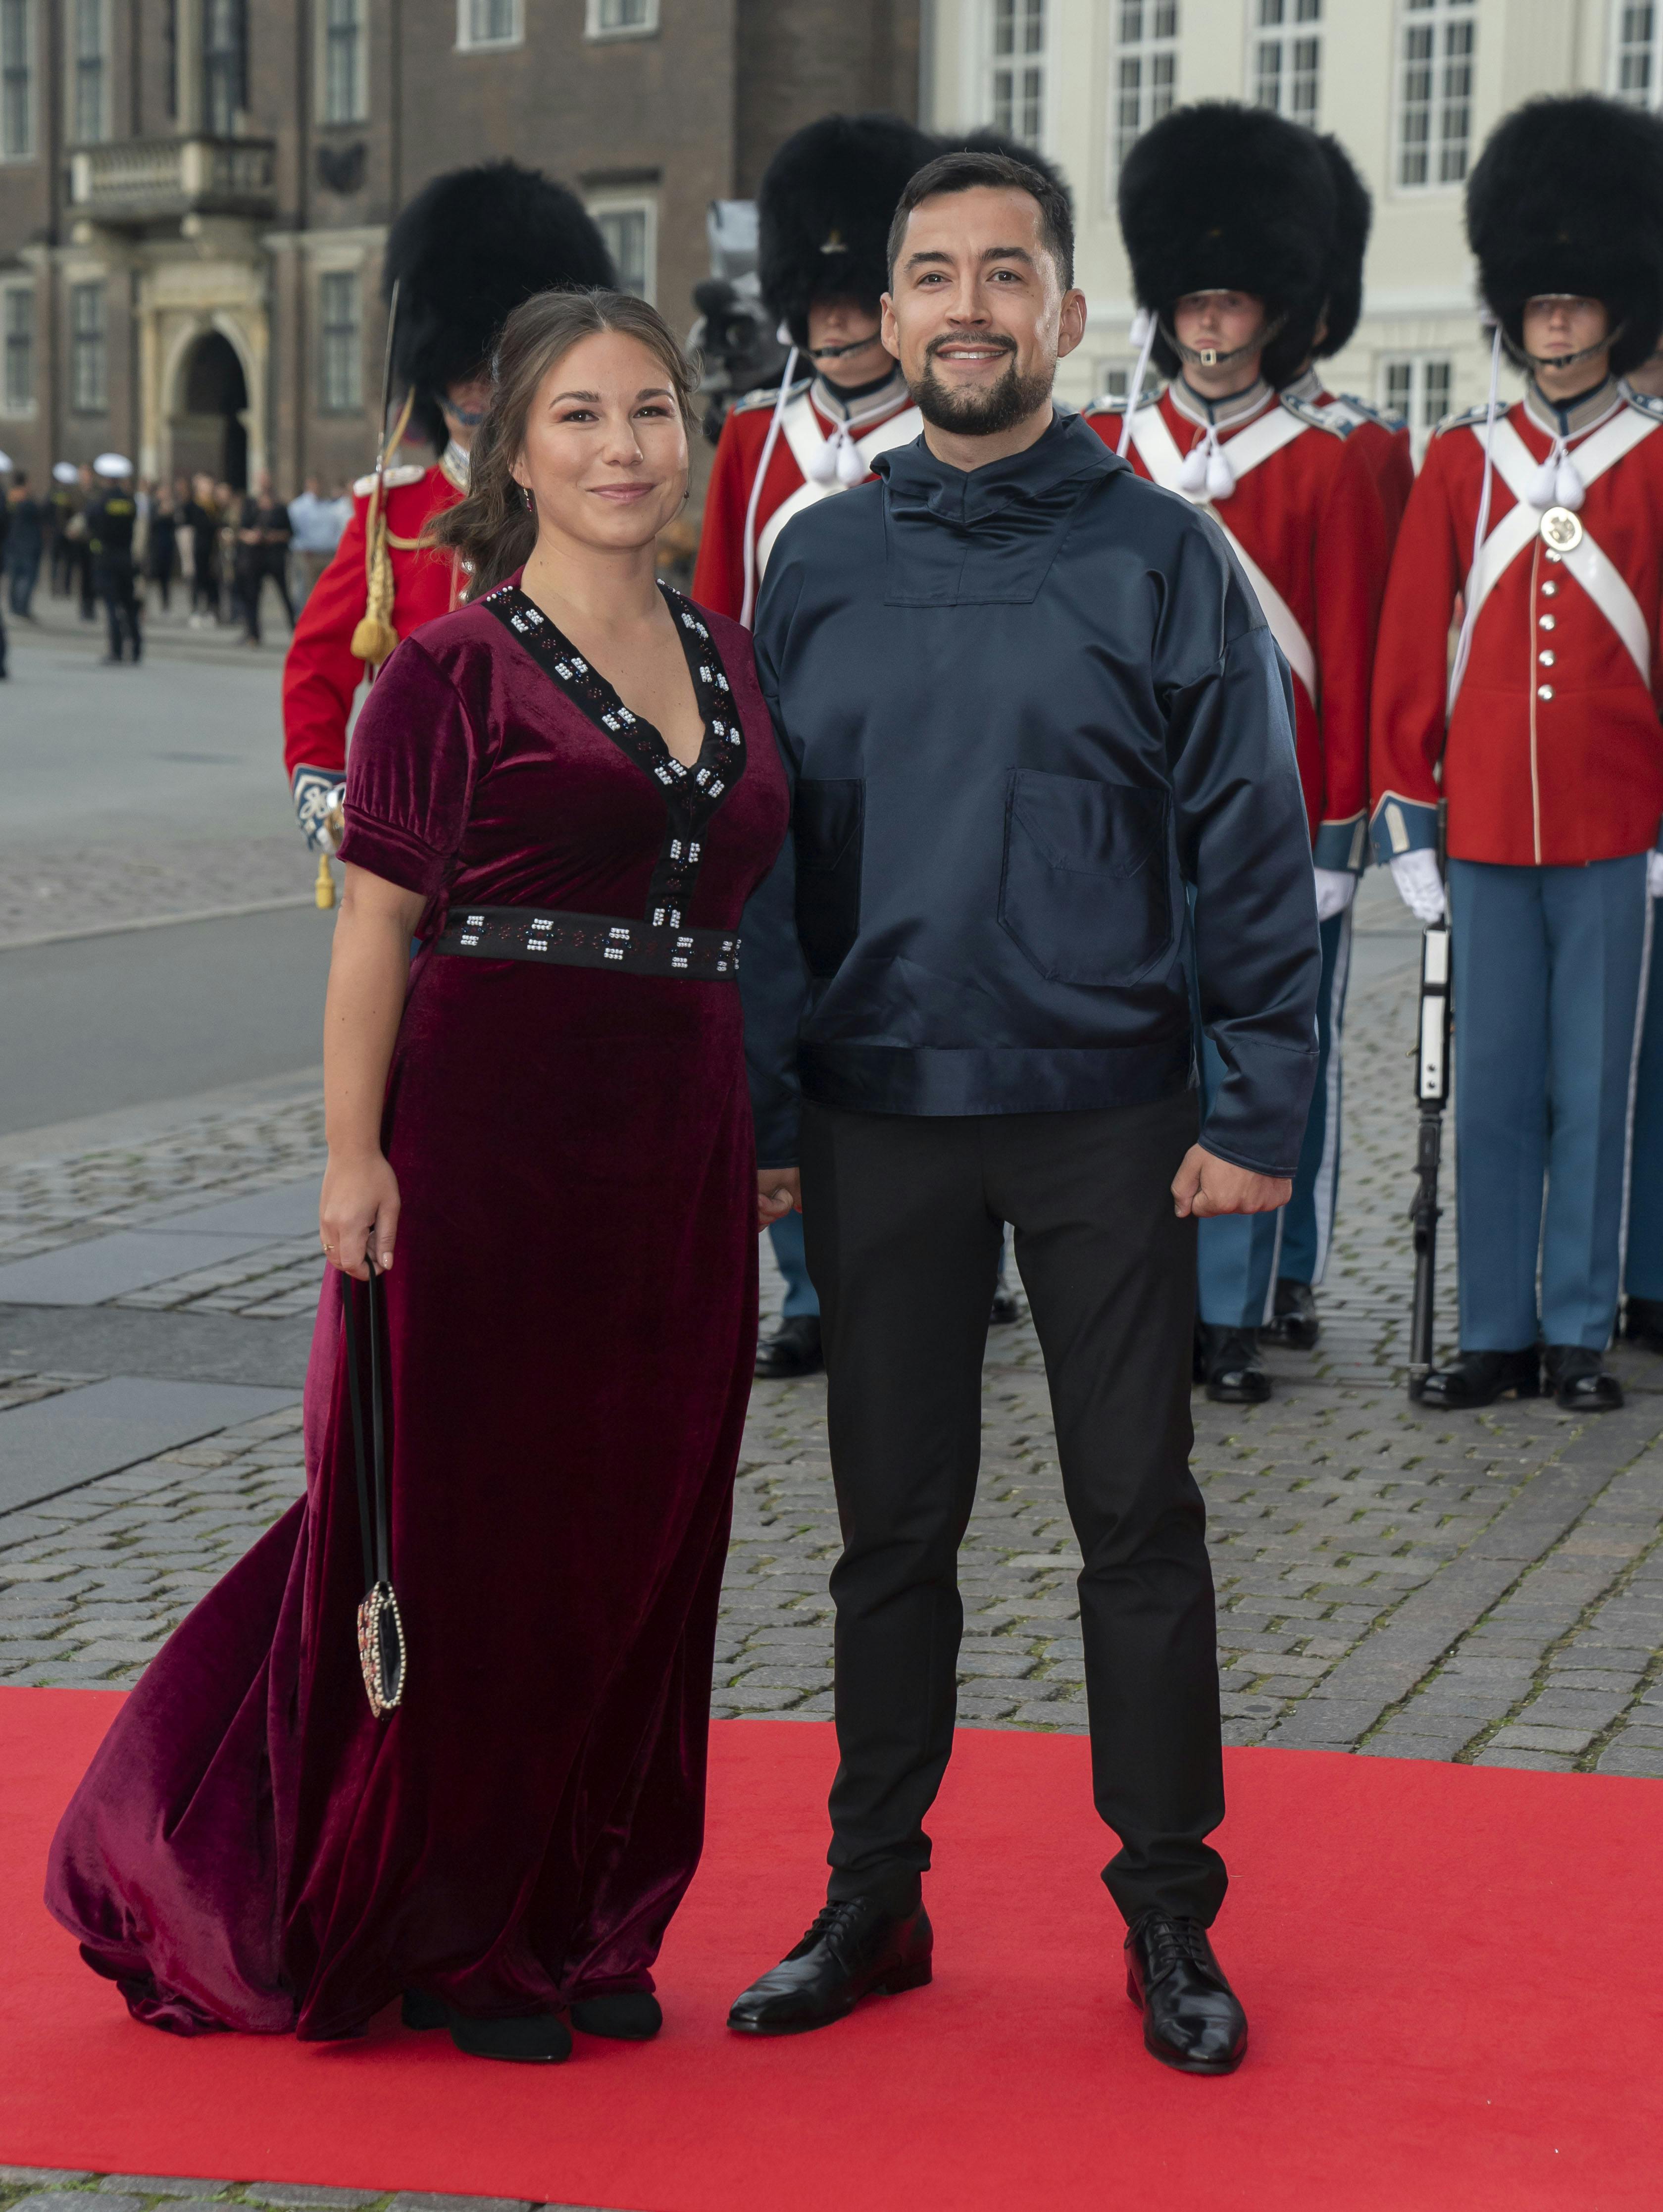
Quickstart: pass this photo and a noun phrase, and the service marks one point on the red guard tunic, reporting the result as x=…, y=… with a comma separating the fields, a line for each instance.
x=1382, y=440
x=1553, y=755
x=1305, y=519
x=322, y=673
x=806, y=427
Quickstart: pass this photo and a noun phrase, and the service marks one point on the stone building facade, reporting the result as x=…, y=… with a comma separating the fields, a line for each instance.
x=194, y=193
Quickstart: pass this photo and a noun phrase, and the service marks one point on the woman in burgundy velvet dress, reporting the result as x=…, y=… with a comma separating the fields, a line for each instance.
x=549, y=1121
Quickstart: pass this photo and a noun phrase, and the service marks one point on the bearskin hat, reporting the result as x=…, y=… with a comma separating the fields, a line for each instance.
x=1353, y=213
x=1220, y=196
x=823, y=209
x=465, y=252
x=1568, y=196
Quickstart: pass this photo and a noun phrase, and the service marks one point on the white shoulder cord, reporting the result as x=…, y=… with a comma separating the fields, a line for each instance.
x=1143, y=337
x=749, y=607
x=1464, y=643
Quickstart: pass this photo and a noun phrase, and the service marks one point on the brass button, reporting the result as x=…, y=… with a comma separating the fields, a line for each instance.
x=1543, y=690
x=1546, y=660
x=1545, y=621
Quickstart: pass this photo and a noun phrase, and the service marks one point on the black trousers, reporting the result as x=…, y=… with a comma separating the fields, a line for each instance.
x=901, y=1216
x=116, y=584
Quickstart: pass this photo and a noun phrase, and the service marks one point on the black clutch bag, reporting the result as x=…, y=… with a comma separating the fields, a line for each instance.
x=380, y=1626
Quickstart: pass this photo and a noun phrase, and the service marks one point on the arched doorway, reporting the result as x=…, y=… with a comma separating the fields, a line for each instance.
x=210, y=431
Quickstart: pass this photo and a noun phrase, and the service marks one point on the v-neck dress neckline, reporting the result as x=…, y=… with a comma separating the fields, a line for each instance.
x=693, y=791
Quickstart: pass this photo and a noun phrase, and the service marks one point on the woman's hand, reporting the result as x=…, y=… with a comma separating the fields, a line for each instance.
x=779, y=1192
x=359, y=1208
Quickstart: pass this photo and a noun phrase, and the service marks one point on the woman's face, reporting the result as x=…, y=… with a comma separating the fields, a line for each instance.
x=605, y=449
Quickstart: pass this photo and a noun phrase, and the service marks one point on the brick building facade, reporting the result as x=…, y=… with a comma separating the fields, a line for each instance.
x=194, y=193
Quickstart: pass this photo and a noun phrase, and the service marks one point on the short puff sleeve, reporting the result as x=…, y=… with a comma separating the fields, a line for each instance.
x=411, y=767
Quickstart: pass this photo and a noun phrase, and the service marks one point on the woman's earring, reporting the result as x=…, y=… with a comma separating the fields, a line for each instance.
x=525, y=494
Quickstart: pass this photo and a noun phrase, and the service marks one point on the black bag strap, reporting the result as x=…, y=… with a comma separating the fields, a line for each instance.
x=373, y=1526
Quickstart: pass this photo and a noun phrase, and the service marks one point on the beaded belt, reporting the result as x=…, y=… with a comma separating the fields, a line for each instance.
x=587, y=940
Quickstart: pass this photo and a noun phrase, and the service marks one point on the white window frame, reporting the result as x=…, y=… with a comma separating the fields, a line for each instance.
x=24, y=409
x=1626, y=39
x=360, y=112
x=595, y=25
x=1005, y=113
x=645, y=203
x=1295, y=24
x=1147, y=34
x=72, y=73
x=466, y=43
x=23, y=149
x=1440, y=16
x=99, y=404
x=1429, y=396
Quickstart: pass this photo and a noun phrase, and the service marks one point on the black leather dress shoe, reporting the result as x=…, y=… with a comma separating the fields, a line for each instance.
x=793, y=1349
x=625, y=2015
x=1480, y=1378
x=1006, y=1310
x=1579, y=1381
x=853, y=1950
x=1192, y=2019
x=1229, y=1365
x=1293, y=1319
x=537, y=2039
x=1643, y=1324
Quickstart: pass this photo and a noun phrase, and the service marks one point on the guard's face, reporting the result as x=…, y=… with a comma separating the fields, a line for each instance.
x=1560, y=323
x=605, y=449
x=976, y=309
x=1218, y=322
x=849, y=329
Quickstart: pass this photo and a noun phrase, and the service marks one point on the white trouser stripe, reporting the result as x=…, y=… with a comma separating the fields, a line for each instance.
x=1634, y=1082
x=1326, y=1194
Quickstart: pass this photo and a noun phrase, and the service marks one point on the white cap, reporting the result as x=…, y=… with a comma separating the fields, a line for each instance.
x=65, y=472
x=112, y=464
x=5, y=463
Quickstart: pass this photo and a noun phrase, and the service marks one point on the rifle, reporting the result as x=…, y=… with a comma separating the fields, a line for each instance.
x=1432, y=1095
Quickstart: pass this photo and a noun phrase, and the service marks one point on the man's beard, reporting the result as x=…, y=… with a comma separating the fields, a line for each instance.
x=975, y=413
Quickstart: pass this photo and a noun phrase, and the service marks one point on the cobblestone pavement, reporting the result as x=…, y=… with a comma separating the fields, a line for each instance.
x=1486, y=1588
x=39, y=2189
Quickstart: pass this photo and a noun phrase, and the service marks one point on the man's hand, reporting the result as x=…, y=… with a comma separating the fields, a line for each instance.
x=779, y=1192
x=1205, y=1186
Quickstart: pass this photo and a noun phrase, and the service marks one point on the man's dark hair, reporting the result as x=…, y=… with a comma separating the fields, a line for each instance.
x=965, y=172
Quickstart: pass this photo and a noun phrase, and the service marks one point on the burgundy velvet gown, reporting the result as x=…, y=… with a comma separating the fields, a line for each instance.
x=572, y=1324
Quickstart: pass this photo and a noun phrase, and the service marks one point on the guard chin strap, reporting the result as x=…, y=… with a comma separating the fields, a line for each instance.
x=837, y=352
x=1521, y=357
x=1211, y=356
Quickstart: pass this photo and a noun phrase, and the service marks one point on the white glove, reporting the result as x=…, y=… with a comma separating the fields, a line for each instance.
x=1420, y=884
x=1335, y=890
x=1655, y=875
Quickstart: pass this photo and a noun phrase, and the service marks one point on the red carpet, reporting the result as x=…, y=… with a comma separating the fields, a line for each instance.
x=1451, y=1974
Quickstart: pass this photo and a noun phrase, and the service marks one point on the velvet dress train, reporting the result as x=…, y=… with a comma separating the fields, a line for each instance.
x=572, y=1322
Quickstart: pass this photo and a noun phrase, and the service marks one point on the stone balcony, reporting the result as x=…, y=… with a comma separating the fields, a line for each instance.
x=141, y=180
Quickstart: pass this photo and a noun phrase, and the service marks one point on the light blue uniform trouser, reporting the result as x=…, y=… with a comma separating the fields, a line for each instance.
x=1548, y=968
x=1643, y=1273
x=1241, y=1255
x=801, y=1296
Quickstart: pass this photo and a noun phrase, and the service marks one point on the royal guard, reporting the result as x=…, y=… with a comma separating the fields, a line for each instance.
x=1381, y=437
x=1230, y=222
x=463, y=254
x=1541, y=740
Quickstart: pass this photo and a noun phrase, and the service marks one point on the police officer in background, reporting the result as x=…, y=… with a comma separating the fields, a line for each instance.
x=112, y=516
x=1543, y=739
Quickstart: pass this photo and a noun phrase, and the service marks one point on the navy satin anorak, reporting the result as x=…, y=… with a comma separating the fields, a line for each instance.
x=1025, y=710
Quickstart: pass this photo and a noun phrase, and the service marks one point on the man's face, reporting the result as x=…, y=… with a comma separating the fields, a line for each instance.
x=846, y=331
x=466, y=403
x=1560, y=323
x=976, y=314
x=1218, y=322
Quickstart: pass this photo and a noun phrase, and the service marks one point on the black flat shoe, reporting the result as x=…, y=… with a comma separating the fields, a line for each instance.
x=1192, y=2019
x=421, y=2011
x=1293, y=1319
x=1480, y=1378
x=537, y=2039
x=793, y=1349
x=853, y=1950
x=1227, y=1361
x=1006, y=1310
x=1643, y=1324
x=1579, y=1381
x=625, y=2015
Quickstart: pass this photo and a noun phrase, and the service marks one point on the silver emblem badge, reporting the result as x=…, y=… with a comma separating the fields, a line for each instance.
x=1561, y=530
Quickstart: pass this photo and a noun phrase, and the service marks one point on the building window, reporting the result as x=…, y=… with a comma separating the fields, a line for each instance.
x=345, y=88
x=224, y=66
x=489, y=23
x=1417, y=387
x=1016, y=86
x=17, y=335
x=16, y=80
x=89, y=360
x=341, y=353
x=1635, y=76
x=1287, y=58
x=621, y=19
x=1434, y=92
x=630, y=227
x=1146, y=68
x=90, y=76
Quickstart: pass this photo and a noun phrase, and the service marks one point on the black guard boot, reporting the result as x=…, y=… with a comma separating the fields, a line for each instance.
x=1192, y=2019
x=1227, y=1361
x=1293, y=1316
x=1643, y=1324
x=1579, y=1381
x=856, y=1949
x=793, y=1349
x=1480, y=1378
